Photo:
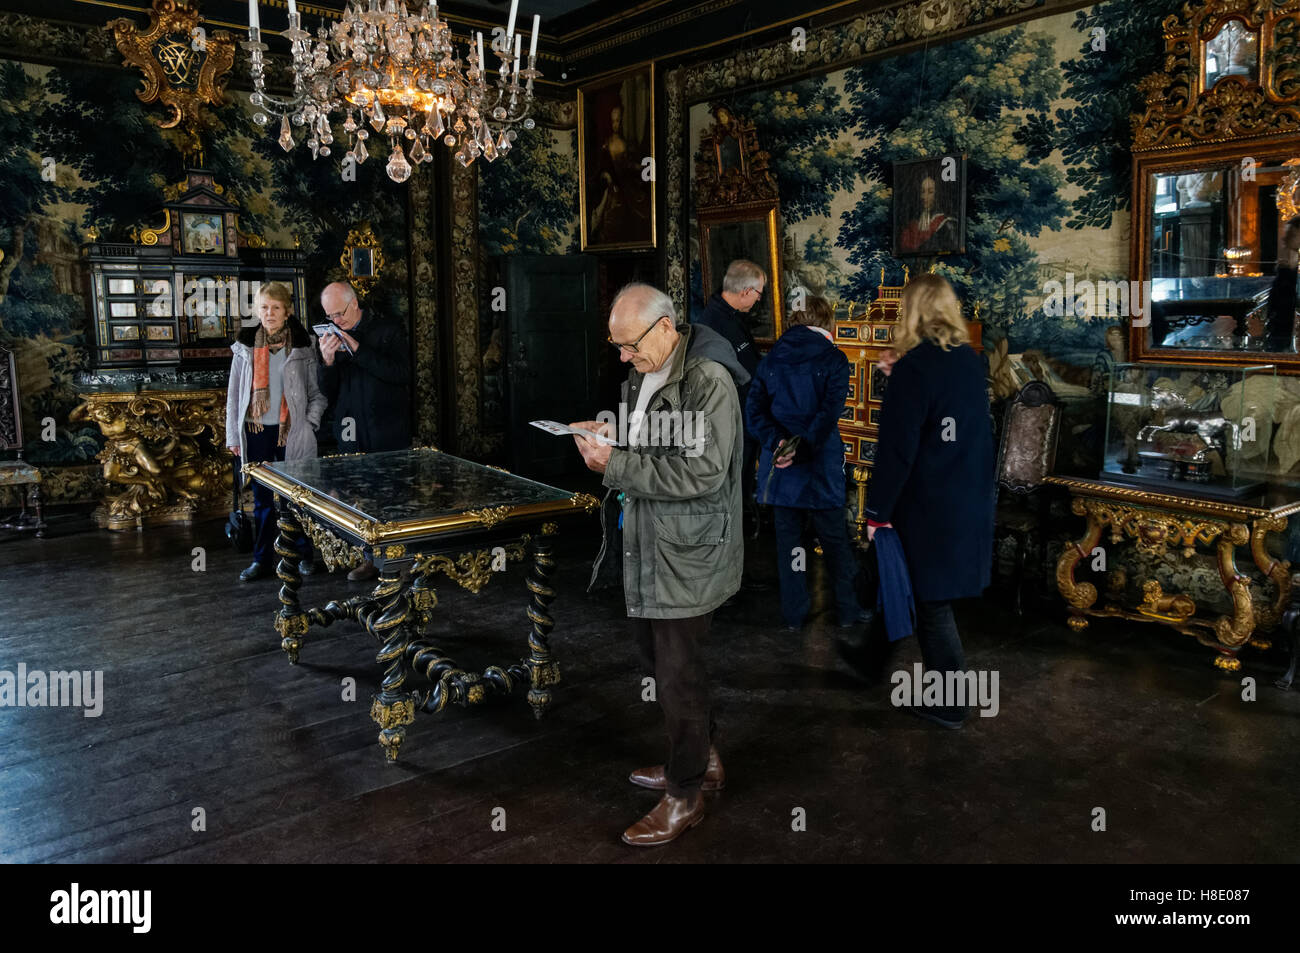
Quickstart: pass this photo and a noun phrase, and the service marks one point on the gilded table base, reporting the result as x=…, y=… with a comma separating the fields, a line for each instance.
x=165, y=459
x=418, y=675
x=1154, y=531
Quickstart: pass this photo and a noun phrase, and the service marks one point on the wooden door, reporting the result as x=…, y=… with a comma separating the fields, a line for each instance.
x=553, y=340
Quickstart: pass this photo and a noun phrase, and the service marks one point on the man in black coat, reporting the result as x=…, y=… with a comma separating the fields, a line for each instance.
x=365, y=373
x=728, y=313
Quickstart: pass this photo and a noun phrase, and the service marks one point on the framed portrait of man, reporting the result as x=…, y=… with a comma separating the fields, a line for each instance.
x=930, y=207
x=616, y=136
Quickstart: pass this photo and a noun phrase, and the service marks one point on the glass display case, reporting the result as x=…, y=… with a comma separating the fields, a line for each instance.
x=1207, y=431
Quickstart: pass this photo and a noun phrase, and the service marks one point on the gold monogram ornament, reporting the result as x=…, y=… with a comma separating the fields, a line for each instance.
x=185, y=68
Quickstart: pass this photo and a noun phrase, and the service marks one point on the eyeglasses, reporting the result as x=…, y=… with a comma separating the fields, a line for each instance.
x=338, y=314
x=633, y=346
x=758, y=292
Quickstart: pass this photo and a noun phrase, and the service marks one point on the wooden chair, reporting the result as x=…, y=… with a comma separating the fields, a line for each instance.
x=17, y=472
x=1031, y=426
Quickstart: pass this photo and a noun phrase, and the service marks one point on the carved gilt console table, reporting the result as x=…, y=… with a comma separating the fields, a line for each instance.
x=1158, y=522
x=421, y=512
x=165, y=449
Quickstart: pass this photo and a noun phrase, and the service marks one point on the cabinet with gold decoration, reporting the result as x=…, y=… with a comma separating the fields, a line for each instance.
x=864, y=334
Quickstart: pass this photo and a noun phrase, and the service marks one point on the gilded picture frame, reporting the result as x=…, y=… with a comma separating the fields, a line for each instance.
x=616, y=157
x=750, y=233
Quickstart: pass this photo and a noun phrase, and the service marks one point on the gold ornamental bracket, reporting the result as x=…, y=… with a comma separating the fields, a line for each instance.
x=1232, y=71
x=362, y=259
x=185, y=67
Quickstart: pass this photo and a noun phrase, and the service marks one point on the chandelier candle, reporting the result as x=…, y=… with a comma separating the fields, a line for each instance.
x=404, y=75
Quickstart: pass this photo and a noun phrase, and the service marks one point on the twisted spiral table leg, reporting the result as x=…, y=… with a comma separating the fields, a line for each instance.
x=393, y=708
x=543, y=671
x=290, y=622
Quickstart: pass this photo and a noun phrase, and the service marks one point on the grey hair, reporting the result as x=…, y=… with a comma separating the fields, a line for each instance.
x=345, y=285
x=654, y=304
x=743, y=275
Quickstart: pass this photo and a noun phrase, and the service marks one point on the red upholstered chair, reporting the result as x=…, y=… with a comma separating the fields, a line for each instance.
x=17, y=472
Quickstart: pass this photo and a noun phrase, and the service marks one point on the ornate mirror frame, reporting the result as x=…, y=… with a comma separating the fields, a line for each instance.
x=737, y=194
x=1188, y=127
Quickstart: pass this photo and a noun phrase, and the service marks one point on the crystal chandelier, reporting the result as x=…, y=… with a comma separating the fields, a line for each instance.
x=399, y=74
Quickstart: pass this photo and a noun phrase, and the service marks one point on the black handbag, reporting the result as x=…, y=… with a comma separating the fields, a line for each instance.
x=239, y=528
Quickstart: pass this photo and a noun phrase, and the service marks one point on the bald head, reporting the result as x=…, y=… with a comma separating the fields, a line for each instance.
x=339, y=300
x=636, y=308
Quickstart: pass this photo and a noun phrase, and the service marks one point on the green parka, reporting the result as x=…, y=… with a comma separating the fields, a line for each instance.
x=681, y=548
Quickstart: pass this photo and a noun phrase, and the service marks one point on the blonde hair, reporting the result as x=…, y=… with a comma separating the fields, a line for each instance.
x=929, y=311
x=816, y=313
x=277, y=292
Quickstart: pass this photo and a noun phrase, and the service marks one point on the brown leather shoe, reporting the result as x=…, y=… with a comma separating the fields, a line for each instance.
x=671, y=817
x=715, y=779
x=363, y=572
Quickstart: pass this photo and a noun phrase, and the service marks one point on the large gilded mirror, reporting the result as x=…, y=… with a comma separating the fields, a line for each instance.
x=738, y=210
x=1215, y=234
x=1216, y=167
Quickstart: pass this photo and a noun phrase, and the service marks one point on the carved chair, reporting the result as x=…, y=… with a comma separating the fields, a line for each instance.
x=1026, y=457
x=17, y=472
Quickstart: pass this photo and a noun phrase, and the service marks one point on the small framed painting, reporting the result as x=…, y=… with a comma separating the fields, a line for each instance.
x=930, y=207
x=201, y=233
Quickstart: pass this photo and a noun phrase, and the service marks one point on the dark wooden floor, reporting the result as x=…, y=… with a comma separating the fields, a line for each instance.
x=202, y=710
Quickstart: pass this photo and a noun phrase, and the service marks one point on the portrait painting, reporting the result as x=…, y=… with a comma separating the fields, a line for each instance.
x=616, y=182
x=201, y=233
x=930, y=207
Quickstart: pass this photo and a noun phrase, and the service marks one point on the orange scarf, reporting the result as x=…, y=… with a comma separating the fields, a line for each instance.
x=263, y=344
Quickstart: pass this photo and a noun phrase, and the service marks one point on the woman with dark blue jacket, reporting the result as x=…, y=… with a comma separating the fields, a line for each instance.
x=799, y=391
x=933, y=475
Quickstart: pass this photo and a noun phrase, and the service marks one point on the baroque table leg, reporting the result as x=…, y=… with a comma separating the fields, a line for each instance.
x=543, y=670
x=1234, y=631
x=290, y=622
x=392, y=623
x=1078, y=595
x=1277, y=571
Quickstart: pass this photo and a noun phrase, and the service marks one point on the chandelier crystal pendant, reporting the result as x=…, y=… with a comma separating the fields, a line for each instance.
x=398, y=74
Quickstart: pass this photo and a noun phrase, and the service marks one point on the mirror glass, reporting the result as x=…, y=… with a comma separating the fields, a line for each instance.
x=1216, y=239
x=1233, y=51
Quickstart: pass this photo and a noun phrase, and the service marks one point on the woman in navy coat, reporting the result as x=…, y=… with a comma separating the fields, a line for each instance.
x=933, y=476
x=799, y=390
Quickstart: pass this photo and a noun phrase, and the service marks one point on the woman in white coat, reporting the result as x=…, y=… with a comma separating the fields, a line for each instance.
x=273, y=408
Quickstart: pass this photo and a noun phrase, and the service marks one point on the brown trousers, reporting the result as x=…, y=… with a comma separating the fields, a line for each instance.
x=670, y=648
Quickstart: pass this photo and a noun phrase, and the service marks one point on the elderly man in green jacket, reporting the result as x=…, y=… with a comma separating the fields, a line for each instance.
x=672, y=522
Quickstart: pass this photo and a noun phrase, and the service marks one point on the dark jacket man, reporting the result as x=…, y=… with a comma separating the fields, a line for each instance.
x=934, y=470
x=733, y=325
x=371, y=387
x=800, y=389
